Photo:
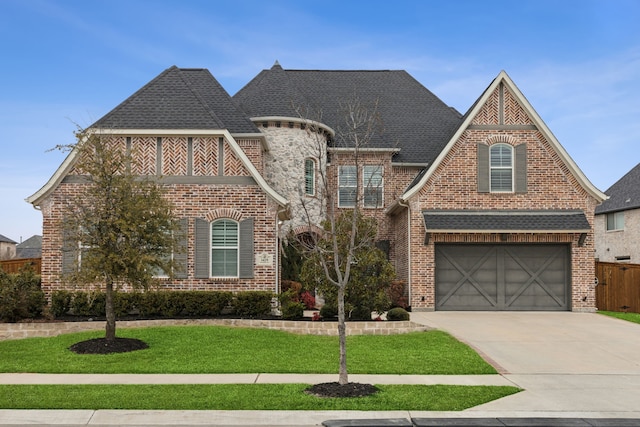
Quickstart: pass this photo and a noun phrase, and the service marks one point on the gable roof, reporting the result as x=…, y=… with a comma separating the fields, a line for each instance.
x=179, y=98
x=178, y=101
x=624, y=194
x=538, y=122
x=30, y=248
x=413, y=119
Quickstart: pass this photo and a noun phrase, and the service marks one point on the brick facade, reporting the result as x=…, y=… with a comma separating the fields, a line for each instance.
x=192, y=198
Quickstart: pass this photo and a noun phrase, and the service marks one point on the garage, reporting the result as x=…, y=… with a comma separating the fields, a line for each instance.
x=496, y=277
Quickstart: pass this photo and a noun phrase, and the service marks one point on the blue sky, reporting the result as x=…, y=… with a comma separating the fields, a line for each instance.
x=68, y=62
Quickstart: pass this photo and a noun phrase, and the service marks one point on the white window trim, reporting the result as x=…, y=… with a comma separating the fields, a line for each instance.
x=354, y=187
x=512, y=167
x=313, y=177
x=616, y=216
x=236, y=247
x=380, y=202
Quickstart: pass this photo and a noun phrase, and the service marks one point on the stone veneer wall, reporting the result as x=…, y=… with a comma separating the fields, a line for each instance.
x=618, y=243
x=27, y=330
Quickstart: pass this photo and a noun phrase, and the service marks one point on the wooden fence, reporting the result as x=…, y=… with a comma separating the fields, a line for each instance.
x=618, y=287
x=14, y=265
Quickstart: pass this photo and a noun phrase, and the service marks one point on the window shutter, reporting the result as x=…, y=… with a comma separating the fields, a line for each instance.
x=521, y=168
x=203, y=248
x=246, y=249
x=181, y=255
x=483, y=168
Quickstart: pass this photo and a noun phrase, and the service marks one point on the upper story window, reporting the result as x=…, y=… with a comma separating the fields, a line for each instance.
x=501, y=168
x=224, y=248
x=347, y=186
x=615, y=221
x=309, y=177
x=372, y=185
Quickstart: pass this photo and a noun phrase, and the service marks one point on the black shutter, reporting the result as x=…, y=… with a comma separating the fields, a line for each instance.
x=203, y=248
x=483, y=168
x=246, y=249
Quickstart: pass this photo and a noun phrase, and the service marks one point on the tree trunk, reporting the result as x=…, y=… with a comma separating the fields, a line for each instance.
x=110, y=312
x=343, y=377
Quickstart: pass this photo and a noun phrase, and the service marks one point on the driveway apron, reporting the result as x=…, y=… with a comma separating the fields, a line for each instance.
x=565, y=361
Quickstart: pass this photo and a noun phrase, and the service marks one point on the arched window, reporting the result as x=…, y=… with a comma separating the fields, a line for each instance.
x=501, y=168
x=224, y=248
x=309, y=177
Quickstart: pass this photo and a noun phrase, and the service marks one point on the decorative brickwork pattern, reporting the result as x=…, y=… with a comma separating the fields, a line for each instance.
x=232, y=164
x=145, y=151
x=205, y=156
x=174, y=156
x=489, y=114
x=514, y=114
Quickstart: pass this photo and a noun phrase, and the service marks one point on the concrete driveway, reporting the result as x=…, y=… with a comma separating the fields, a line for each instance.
x=566, y=362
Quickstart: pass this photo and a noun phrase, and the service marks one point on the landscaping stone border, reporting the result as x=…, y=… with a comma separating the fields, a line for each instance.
x=49, y=329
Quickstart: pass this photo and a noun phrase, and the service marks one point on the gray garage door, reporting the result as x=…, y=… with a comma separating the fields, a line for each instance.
x=502, y=277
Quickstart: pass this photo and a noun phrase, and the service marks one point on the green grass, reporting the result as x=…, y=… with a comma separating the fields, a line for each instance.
x=243, y=397
x=214, y=349
x=630, y=317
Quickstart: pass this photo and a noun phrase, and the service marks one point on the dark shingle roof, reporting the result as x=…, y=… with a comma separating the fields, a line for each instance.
x=30, y=248
x=505, y=221
x=5, y=239
x=624, y=194
x=413, y=119
x=179, y=98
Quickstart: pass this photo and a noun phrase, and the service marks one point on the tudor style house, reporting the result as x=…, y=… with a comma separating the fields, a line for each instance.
x=481, y=211
x=617, y=221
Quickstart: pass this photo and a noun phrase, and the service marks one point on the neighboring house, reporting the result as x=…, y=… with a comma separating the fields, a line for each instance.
x=30, y=248
x=7, y=248
x=617, y=221
x=482, y=211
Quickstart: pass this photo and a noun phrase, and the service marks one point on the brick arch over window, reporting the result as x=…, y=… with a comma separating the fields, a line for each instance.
x=223, y=213
x=502, y=139
x=520, y=163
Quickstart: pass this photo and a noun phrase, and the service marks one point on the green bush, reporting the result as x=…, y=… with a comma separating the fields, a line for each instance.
x=292, y=310
x=20, y=296
x=90, y=304
x=252, y=303
x=328, y=311
x=61, y=303
x=397, y=314
x=360, y=313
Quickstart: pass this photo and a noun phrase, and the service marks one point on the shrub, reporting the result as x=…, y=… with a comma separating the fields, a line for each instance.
x=308, y=300
x=20, y=296
x=292, y=310
x=397, y=294
x=360, y=313
x=88, y=303
x=61, y=303
x=397, y=314
x=252, y=303
x=328, y=311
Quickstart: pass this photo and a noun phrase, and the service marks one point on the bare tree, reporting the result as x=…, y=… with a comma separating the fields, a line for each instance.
x=334, y=245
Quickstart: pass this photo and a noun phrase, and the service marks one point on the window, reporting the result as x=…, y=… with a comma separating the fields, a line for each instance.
x=501, y=168
x=615, y=221
x=309, y=177
x=224, y=248
x=372, y=184
x=347, y=186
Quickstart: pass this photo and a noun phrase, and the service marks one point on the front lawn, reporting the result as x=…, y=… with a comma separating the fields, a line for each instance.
x=215, y=349
x=244, y=397
x=630, y=317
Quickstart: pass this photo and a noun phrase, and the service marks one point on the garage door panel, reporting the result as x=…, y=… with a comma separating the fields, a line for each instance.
x=502, y=277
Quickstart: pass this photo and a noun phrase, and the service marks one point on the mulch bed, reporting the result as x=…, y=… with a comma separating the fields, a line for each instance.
x=337, y=390
x=105, y=346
